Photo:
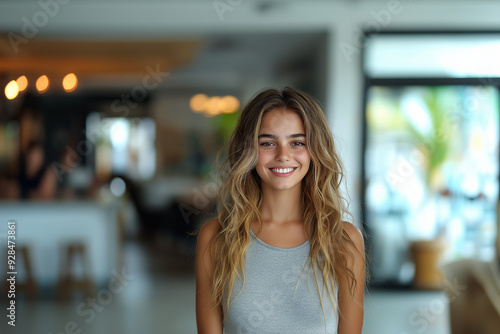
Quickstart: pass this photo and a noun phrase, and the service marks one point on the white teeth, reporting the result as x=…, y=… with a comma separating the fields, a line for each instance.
x=282, y=170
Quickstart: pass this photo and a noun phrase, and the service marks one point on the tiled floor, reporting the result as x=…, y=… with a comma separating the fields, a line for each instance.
x=158, y=296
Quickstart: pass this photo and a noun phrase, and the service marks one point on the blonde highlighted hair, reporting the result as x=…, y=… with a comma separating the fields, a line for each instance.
x=239, y=197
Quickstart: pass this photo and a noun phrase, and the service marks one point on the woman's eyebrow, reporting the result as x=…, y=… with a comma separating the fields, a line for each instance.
x=295, y=135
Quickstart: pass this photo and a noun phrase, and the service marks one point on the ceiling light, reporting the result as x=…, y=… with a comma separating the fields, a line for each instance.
x=42, y=84
x=70, y=82
x=11, y=90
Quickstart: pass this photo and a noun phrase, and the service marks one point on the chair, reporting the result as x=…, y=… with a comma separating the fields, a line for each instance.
x=68, y=283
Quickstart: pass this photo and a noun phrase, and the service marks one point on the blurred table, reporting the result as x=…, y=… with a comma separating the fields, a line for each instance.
x=49, y=226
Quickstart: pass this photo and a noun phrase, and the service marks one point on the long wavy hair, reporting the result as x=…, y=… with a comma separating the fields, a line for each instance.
x=239, y=197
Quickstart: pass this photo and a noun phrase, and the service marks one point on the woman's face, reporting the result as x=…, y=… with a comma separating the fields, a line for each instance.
x=34, y=160
x=283, y=156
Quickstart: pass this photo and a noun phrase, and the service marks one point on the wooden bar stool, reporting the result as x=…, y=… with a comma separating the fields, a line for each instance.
x=68, y=283
x=29, y=286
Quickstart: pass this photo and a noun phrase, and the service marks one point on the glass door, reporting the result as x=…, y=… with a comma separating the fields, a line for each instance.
x=431, y=149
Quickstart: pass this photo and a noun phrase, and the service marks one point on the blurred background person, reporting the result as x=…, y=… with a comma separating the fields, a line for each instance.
x=36, y=180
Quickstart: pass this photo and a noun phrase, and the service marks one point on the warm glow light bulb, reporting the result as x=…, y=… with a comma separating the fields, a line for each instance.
x=212, y=107
x=70, y=81
x=42, y=84
x=197, y=102
x=11, y=90
x=229, y=104
x=22, y=82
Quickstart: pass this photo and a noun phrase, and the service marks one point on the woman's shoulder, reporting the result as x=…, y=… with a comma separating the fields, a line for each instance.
x=352, y=230
x=354, y=234
x=205, y=241
x=209, y=230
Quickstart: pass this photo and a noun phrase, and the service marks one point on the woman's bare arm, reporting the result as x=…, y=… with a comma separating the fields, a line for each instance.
x=47, y=188
x=353, y=310
x=208, y=318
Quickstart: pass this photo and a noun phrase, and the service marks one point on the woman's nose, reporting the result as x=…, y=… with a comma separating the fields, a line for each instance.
x=282, y=153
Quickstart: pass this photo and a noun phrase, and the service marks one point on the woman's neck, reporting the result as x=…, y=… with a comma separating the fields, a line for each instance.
x=281, y=206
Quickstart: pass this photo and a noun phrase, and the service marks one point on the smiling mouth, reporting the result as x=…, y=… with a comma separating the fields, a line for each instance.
x=282, y=171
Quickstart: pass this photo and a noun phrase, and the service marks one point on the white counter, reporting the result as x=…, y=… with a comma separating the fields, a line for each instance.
x=46, y=227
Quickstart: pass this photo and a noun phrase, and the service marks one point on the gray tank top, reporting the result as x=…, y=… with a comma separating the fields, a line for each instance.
x=274, y=300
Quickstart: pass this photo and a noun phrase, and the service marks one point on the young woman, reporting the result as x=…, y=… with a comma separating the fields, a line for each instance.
x=279, y=258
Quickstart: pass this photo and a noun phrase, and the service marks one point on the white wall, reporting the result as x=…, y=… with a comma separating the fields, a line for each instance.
x=343, y=19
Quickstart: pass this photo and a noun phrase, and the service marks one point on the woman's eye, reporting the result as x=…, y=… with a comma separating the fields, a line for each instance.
x=298, y=143
x=266, y=144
